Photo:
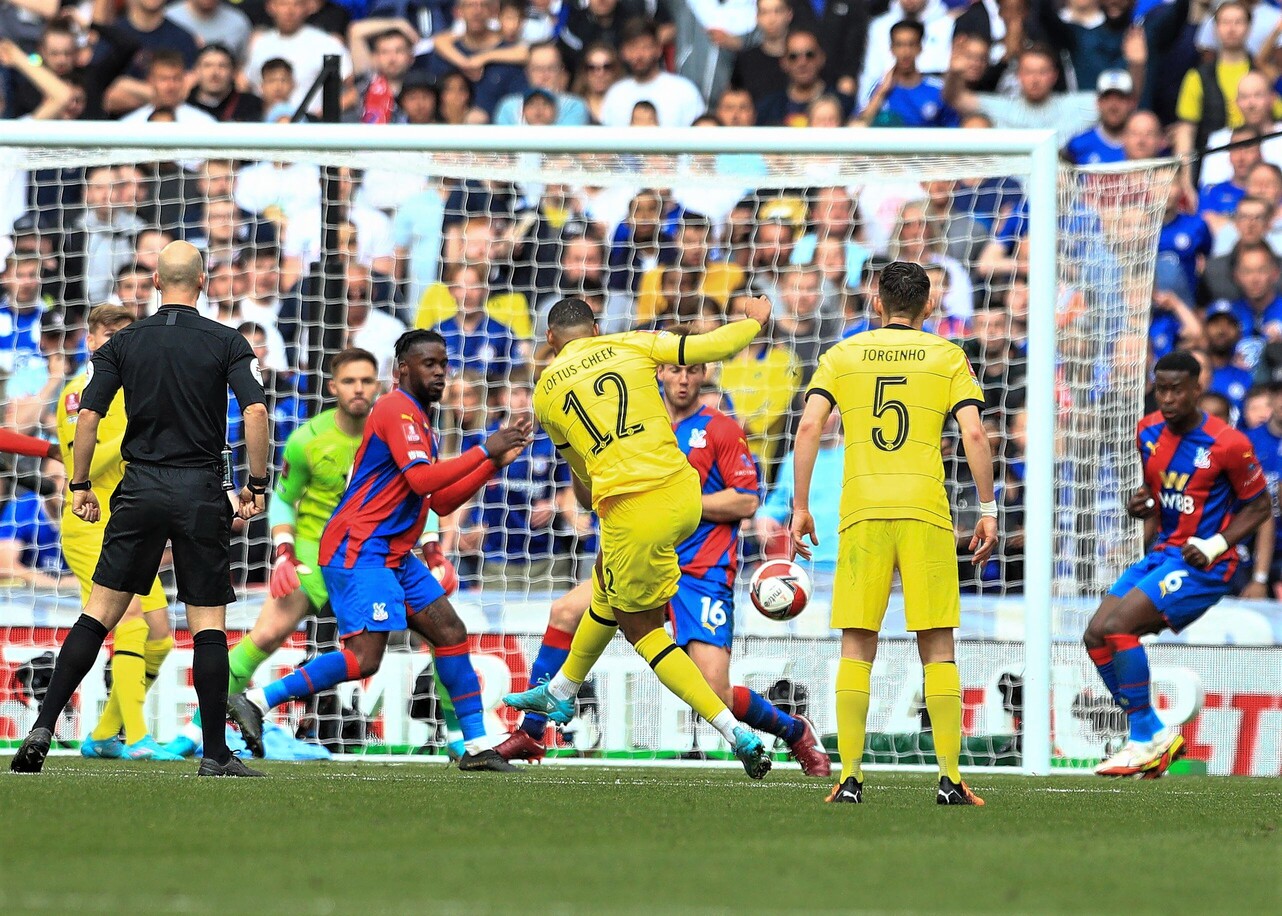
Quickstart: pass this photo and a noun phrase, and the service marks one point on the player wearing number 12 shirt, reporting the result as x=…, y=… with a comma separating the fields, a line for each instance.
x=600, y=403
x=1203, y=492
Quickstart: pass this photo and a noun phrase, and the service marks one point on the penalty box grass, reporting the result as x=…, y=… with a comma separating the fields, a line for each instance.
x=105, y=836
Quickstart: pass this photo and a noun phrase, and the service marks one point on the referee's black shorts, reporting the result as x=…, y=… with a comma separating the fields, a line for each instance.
x=184, y=506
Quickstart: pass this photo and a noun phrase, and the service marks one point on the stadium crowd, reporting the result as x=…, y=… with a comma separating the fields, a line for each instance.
x=483, y=261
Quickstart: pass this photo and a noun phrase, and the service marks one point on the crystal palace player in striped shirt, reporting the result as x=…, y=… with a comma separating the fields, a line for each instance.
x=375, y=585
x=702, y=611
x=1203, y=492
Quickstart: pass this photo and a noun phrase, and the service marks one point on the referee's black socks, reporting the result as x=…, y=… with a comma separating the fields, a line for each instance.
x=75, y=658
x=209, y=673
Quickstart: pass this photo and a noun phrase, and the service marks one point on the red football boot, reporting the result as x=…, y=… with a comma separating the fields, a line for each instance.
x=809, y=751
x=520, y=745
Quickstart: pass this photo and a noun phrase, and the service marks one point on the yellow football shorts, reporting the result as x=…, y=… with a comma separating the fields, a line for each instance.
x=638, y=569
x=869, y=552
x=81, y=545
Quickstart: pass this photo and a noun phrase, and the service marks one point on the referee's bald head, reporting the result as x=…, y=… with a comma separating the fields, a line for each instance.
x=180, y=271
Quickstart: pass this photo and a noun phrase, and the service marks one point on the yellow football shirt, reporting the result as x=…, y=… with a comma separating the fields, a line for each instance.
x=895, y=387
x=599, y=400
x=108, y=466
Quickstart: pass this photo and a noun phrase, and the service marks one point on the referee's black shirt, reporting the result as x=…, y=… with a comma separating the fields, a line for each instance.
x=175, y=368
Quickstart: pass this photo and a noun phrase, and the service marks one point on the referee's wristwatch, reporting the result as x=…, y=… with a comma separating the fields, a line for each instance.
x=258, y=485
x=78, y=487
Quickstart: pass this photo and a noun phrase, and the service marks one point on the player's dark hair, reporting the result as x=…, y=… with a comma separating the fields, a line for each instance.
x=571, y=312
x=909, y=25
x=413, y=338
x=904, y=288
x=1179, y=361
x=351, y=355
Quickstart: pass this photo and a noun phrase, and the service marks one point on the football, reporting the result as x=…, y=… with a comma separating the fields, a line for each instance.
x=780, y=589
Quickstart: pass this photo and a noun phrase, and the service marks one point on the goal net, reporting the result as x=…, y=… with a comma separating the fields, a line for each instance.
x=319, y=238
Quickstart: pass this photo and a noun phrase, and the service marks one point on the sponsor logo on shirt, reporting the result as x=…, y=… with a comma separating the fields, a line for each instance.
x=412, y=433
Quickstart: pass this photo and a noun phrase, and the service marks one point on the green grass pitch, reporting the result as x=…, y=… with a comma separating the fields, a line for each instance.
x=107, y=837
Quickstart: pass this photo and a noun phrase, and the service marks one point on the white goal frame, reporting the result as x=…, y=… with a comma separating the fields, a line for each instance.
x=1033, y=154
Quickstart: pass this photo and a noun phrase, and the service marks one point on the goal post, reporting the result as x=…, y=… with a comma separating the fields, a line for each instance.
x=1075, y=221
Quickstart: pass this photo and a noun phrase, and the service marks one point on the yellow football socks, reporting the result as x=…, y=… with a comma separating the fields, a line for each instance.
x=679, y=674
x=595, y=631
x=128, y=684
x=155, y=653
x=854, y=685
x=943, y=702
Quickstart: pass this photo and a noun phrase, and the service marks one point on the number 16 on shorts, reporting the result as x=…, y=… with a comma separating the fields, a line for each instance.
x=703, y=611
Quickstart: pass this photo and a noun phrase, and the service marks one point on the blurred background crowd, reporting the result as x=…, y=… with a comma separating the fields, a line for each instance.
x=483, y=261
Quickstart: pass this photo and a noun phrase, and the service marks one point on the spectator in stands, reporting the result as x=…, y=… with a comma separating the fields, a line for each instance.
x=803, y=63
x=761, y=382
x=213, y=22
x=599, y=69
x=21, y=307
x=223, y=291
x=771, y=522
x=1143, y=137
x=166, y=91
x=902, y=96
x=546, y=70
x=919, y=239
x=1257, y=274
x=758, y=69
x=1225, y=347
x=1115, y=102
x=999, y=365
x=30, y=548
x=473, y=339
x=417, y=231
x=1250, y=224
x=135, y=289
x=1208, y=93
x=419, y=98
x=708, y=36
x=215, y=91
x=1097, y=36
x=693, y=273
x=1037, y=104
x=1173, y=325
x=99, y=240
x=581, y=272
x=303, y=46
x=1257, y=101
x=933, y=53
x=367, y=327
x=601, y=22
x=641, y=242
x=771, y=253
x=491, y=61
x=801, y=325
x=147, y=28
x=454, y=101
x=1184, y=239
x=963, y=235
x=735, y=108
x=54, y=93
x=1217, y=202
x=538, y=108
x=676, y=100
x=381, y=60
x=511, y=524
x=276, y=85
x=1264, y=19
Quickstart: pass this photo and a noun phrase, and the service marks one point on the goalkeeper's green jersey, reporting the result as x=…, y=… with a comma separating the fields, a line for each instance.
x=318, y=461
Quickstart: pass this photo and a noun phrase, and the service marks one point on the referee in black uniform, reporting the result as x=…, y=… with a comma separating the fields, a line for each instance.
x=175, y=368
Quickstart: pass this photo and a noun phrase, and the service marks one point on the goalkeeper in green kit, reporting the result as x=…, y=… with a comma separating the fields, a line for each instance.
x=318, y=460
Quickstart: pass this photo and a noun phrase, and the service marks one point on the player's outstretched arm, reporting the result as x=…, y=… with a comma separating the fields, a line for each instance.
x=979, y=456
x=502, y=448
x=18, y=444
x=805, y=452
x=720, y=344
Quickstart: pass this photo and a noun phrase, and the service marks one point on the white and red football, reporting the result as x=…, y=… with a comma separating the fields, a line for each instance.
x=780, y=589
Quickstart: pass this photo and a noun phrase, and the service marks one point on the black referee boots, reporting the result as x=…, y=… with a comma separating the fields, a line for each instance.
x=31, y=755
x=233, y=767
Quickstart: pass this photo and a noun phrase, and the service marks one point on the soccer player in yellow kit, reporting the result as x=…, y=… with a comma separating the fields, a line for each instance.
x=142, y=638
x=895, y=387
x=600, y=402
